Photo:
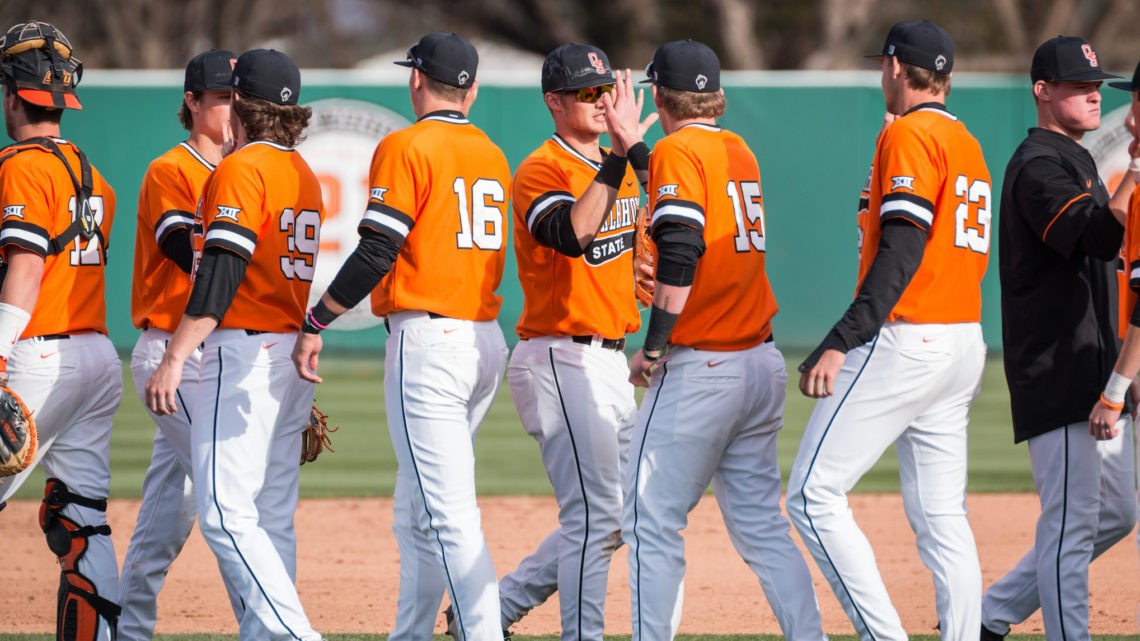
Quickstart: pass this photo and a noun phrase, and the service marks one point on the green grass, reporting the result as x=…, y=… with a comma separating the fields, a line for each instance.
x=507, y=459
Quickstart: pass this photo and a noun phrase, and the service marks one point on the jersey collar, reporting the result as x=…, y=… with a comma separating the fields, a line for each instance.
x=197, y=156
x=936, y=107
x=446, y=115
x=561, y=142
x=271, y=144
x=699, y=125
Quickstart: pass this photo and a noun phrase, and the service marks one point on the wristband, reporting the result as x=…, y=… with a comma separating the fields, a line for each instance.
x=1134, y=165
x=1110, y=405
x=1115, y=388
x=651, y=358
x=13, y=321
x=318, y=318
x=612, y=171
x=638, y=156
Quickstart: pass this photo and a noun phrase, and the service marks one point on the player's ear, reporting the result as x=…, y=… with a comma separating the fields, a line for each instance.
x=552, y=101
x=656, y=101
x=191, y=102
x=1041, y=90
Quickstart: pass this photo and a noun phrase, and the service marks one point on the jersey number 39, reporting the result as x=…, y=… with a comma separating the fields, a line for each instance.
x=304, y=238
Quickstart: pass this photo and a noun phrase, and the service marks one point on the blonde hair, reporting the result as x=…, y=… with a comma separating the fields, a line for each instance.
x=684, y=105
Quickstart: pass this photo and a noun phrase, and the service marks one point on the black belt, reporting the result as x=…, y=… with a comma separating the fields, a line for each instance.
x=52, y=337
x=432, y=315
x=254, y=332
x=616, y=344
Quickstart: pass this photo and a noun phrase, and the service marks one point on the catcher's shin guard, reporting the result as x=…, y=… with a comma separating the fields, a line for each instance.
x=80, y=605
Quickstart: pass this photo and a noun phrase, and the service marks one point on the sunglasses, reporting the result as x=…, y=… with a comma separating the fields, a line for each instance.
x=590, y=95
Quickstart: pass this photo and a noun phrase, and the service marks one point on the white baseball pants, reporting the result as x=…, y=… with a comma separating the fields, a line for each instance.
x=73, y=386
x=711, y=416
x=1088, y=504
x=576, y=401
x=245, y=443
x=167, y=511
x=912, y=386
x=440, y=378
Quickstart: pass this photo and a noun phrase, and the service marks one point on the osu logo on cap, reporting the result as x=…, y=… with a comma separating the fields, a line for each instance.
x=1090, y=55
x=597, y=63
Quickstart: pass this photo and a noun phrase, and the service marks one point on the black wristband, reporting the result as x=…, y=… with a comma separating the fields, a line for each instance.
x=638, y=156
x=651, y=358
x=660, y=327
x=318, y=318
x=612, y=171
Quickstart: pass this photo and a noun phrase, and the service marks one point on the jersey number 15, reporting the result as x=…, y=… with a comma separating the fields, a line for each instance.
x=749, y=213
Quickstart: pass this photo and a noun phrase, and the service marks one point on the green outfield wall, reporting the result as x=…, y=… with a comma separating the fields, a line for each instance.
x=812, y=132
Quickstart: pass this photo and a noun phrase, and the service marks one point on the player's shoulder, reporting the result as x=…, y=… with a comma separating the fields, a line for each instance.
x=27, y=157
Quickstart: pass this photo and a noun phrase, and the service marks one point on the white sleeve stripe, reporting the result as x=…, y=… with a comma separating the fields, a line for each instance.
x=231, y=238
x=922, y=213
x=1136, y=272
x=26, y=236
x=170, y=222
x=541, y=206
x=679, y=211
x=390, y=222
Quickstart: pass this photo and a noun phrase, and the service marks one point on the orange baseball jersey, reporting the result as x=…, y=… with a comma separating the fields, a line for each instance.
x=38, y=200
x=441, y=186
x=168, y=200
x=1131, y=255
x=264, y=204
x=707, y=178
x=591, y=294
x=929, y=171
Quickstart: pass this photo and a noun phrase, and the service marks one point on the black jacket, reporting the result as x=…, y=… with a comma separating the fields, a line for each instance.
x=1058, y=245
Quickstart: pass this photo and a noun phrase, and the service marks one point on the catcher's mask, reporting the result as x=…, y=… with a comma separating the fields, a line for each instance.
x=36, y=62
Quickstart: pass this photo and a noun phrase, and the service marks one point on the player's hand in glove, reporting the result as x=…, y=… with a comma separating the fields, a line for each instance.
x=18, y=438
x=644, y=259
x=315, y=437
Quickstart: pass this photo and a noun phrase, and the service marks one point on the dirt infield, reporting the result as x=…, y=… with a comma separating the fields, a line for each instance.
x=348, y=568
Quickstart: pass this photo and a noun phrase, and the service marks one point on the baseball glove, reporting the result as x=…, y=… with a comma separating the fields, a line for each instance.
x=315, y=437
x=644, y=259
x=17, y=434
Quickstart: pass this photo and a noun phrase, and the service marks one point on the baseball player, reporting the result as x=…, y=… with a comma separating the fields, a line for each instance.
x=54, y=350
x=1060, y=239
x=432, y=245
x=574, y=210
x=164, y=254
x=261, y=211
x=716, y=396
x=905, y=361
x=1106, y=412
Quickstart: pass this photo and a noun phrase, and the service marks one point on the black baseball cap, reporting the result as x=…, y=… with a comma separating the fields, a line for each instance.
x=1067, y=59
x=210, y=71
x=686, y=65
x=575, y=66
x=268, y=74
x=920, y=43
x=1129, y=86
x=446, y=57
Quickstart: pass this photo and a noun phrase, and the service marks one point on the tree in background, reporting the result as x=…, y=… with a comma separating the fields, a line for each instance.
x=991, y=35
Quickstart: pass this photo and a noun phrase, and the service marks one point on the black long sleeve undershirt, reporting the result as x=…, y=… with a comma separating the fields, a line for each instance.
x=365, y=268
x=901, y=248
x=177, y=247
x=216, y=283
